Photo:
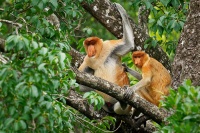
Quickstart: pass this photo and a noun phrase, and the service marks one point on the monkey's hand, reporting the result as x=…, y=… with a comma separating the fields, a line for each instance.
x=129, y=92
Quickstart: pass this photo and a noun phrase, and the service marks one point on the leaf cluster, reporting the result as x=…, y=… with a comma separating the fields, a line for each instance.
x=185, y=105
x=36, y=80
x=166, y=20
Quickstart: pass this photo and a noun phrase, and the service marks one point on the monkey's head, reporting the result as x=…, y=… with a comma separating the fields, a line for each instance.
x=93, y=46
x=139, y=58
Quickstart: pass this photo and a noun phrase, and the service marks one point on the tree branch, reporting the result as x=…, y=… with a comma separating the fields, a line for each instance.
x=143, y=15
x=117, y=92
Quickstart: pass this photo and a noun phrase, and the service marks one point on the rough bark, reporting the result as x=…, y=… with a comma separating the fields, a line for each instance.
x=143, y=15
x=107, y=14
x=77, y=58
x=187, y=59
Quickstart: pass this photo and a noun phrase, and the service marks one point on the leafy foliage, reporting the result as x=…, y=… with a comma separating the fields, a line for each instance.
x=36, y=80
x=95, y=99
x=166, y=20
x=185, y=105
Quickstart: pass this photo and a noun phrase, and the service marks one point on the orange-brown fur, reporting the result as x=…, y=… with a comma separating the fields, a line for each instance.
x=160, y=78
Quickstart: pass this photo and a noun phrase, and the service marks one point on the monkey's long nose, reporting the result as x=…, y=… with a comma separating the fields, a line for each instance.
x=91, y=51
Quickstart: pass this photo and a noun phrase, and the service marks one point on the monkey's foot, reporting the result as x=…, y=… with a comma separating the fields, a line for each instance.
x=123, y=105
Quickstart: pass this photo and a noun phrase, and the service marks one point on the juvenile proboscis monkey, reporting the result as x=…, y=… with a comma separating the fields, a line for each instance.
x=155, y=80
x=103, y=59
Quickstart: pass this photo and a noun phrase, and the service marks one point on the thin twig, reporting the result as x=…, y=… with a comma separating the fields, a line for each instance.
x=11, y=22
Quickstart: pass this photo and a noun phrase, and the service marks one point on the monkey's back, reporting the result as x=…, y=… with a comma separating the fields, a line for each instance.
x=161, y=80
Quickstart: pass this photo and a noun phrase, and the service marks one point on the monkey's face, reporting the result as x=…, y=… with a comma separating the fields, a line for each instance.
x=93, y=46
x=138, y=61
x=138, y=58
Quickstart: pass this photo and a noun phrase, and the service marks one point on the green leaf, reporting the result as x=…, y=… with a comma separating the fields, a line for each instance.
x=86, y=95
x=62, y=57
x=57, y=107
x=96, y=102
x=39, y=59
x=36, y=113
x=48, y=105
x=19, y=85
x=34, y=19
x=16, y=126
x=74, y=14
x=181, y=24
x=34, y=2
x=175, y=3
x=165, y=2
x=154, y=43
x=159, y=23
x=41, y=67
x=8, y=121
x=12, y=110
x=56, y=83
x=41, y=120
x=148, y=5
x=160, y=31
x=34, y=91
x=151, y=20
x=10, y=42
x=43, y=51
x=162, y=18
x=34, y=44
x=22, y=124
x=54, y=3
x=41, y=5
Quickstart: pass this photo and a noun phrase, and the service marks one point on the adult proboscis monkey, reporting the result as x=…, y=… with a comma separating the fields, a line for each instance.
x=103, y=59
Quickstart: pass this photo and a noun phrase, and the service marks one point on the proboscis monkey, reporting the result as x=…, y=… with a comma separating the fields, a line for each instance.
x=103, y=59
x=155, y=80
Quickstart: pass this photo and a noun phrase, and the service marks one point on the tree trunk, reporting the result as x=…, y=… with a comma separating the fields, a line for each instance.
x=186, y=63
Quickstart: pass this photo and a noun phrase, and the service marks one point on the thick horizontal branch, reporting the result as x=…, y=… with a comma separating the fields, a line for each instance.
x=107, y=14
x=117, y=92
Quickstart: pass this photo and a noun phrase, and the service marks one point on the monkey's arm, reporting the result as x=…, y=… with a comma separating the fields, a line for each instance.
x=141, y=84
x=135, y=74
x=84, y=68
x=127, y=43
x=146, y=80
